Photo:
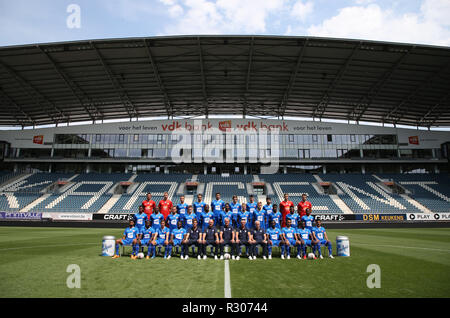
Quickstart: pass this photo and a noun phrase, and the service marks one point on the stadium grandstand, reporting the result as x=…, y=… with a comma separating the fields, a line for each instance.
x=91, y=126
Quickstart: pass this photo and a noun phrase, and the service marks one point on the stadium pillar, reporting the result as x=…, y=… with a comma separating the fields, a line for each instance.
x=324, y=169
x=284, y=169
x=363, y=169
x=88, y=168
x=245, y=169
x=205, y=169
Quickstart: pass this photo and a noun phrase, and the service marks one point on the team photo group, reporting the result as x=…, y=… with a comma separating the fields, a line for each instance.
x=251, y=225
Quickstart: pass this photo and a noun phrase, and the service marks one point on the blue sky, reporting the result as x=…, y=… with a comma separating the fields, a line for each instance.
x=410, y=21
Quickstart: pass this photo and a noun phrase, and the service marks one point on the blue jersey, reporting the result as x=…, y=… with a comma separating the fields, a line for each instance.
x=294, y=219
x=289, y=233
x=188, y=221
x=274, y=234
x=199, y=208
x=178, y=234
x=217, y=206
x=155, y=219
x=305, y=233
x=131, y=233
x=139, y=219
x=235, y=209
x=261, y=217
x=205, y=219
x=247, y=216
x=182, y=209
x=319, y=232
x=309, y=221
x=268, y=208
x=163, y=234
x=146, y=233
x=226, y=215
x=277, y=218
x=251, y=207
x=173, y=219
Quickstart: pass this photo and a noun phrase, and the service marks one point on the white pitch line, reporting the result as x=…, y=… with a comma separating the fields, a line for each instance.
x=227, y=280
x=39, y=246
x=398, y=246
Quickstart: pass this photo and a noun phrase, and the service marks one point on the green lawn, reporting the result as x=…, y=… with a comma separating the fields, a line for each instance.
x=413, y=262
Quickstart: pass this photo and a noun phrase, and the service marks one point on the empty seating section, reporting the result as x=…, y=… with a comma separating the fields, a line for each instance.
x=362, y=194
x=89, y=192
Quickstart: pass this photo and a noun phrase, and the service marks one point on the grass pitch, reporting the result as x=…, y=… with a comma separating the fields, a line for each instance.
x=413, y=262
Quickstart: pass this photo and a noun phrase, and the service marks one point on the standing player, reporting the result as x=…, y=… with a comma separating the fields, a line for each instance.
x=288, y=236
x=276, y=217
x=161, y=238
x=226, y=237
x=145, y=238
x=182, y=207
x=320, y=234
x=227, y=214
x=242, y=238
x=206, y=216
x=268, y=208
x=308, y=219
x=251, y=206
x=217, y=207
x=303, y=205
x=140, y=218
x=189, y=218
x=210, y=236
x=199, y=207
x=165, y=205
x=235, y=209
x=173, y=218
x=130, y=237
x=259, y=215
x=285, y=207
x=149, y=205
x=193, y=239
x=258, y=236
x=274, y=238
x=293, y=216
x=178, y=238
x=246, y=216
x=305, y=236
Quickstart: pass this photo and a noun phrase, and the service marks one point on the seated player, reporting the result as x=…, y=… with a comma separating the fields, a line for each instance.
x=246, y=216
x=320, y=234
x=276, y=216
x=173, y=218
x=305, y=236
x=259, y=215
x=206, y=216
x=217, y=207
x=178, y=238
x=130, y=237
x=227, y=214
x=288, y=237
x=140, y=218
x=226, y=237
x=145, y=238
x=242, y=238
x=210, y=236
x=193, y=239
x=274, y=237
x=308, y=219
x=293, y=216
x=258, y=237
x=189, y=218
x=161, y=238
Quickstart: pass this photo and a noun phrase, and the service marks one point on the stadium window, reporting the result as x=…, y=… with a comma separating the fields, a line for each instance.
x=98, y=138
x=135, y=138
x=291, y=138
x=159, y=138
x=314, y=138
x=329, y=138
x=352, y=138
x=121, y=138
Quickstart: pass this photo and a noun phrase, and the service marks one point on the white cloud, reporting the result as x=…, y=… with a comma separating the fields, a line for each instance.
x=301, y=10
x=374, y=23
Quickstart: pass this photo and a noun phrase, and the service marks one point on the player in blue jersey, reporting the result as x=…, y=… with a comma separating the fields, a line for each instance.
x=268, y=208
x=246, y=216
x=293, y=216
x=289, y=238
x=155, y=219
x=145, y=238
x=308, y=219
x=172, y=219
x=259, y=215
x=161, y=238
x=182, y=207
x=274, y=238
x=251, y=205
x=217, y=207
x=178, y=238
x=320, y=234
x=276, y=216
x=199, y=207
x=227, y=214
x=130, y=237
x=189, y=218
x=235, y=209
x=206, y=216
x=305, y=236
x=140, y=218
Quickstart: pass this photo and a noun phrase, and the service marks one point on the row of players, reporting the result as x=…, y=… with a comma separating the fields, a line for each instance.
x=217, y=206
x=249, y=212
x=287, y=238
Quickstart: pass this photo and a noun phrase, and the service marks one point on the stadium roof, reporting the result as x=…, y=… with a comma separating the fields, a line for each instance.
x=176, y=76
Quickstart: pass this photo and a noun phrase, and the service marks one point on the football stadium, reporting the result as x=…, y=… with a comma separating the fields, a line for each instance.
x=225, y=166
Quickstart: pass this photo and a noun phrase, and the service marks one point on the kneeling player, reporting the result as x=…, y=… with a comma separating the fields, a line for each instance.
x=320, y=234
x=130, y=237
x=145, y=238
x=274, y=236
x=288, y=236
x=161, y=238
x=177, y=238
x=304, y=235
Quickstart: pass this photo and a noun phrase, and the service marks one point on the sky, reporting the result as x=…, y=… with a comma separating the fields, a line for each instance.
x=407, y=21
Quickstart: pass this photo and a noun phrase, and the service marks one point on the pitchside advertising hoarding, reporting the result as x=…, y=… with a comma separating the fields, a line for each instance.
x=20, y=215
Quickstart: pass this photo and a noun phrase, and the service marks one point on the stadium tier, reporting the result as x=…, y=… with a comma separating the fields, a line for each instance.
x=328, y=193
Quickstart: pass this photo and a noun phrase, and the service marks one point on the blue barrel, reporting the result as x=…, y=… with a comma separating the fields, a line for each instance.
x=108, y=245
x=343, y=246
